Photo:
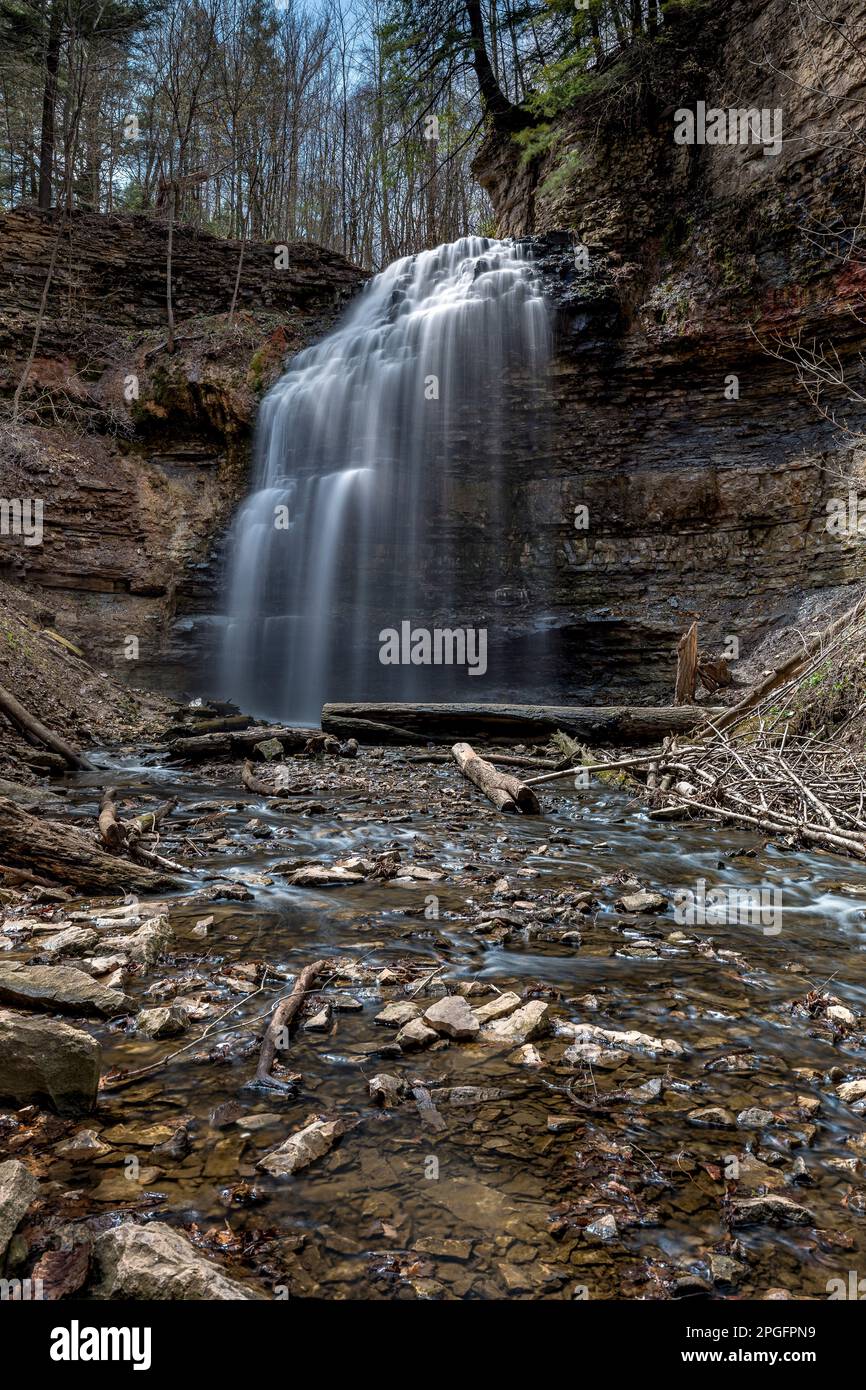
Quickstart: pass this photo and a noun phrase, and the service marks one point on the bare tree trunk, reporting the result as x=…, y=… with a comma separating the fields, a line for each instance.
x=49, y=101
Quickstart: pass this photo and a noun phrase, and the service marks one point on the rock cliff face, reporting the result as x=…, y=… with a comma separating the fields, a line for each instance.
x=706, y=497
x=139, y=455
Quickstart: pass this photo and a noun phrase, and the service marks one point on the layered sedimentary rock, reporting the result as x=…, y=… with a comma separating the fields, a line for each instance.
x=139, y=455
x=704, y=467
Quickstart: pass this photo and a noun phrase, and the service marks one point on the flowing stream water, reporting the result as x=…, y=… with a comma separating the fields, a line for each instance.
x=366, y=452
x=501, y=1201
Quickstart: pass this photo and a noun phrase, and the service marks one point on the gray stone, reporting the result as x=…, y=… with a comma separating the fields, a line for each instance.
x=772, y=1209
x=18, y=1187
x=641, y=902
x=167, y=1022
x=632, y=1041
x=73, y=941
x=84, y=1145
x=395, y=1015
x=851, y=1091
x=522, y=1026
x=155, y=1262
x=270, y=749
x=499, y=1007
x=452, y=1017
x=302, y=1148
x=147, y=943
x=60, y=989
x=711, y=1117
x=386, y=1089
x=415, y=1035
x=755, y=1118
x=45, y=1060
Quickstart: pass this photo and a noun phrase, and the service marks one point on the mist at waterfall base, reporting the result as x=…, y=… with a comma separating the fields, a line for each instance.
x=381, y=495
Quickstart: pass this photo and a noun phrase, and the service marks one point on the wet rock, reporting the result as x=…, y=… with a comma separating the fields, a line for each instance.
x=320, y=1022
x=528, y=1022
x=74, y=941
x=839, y=1014
x=398, y=1014
x=162, y=1023
x=147, y=944
x=320, y=876
x=497, y=1008
x=61, y=989
x=711, y=1117
x=755, y=1118
x=603, y=1229
x=594, y=1055
x=415, y=1035
x=387, y=977
x=560, y=1124
x=632, y=1042
x=18, y=1188
x=386, y=1089
x=772, y=1209
x=155, y=1262
x=649, y=1091
x=253, y=1123
x=175, y=1149
x=852, y=1091
x=641, y=902
x=452, y=1017
x=269, y=749
x=43, y=1059
x=302, y=1148
x=80, y=1147
x=725, y=1270
x=527, y=1056
x=468, y=1095
x=444, y=1248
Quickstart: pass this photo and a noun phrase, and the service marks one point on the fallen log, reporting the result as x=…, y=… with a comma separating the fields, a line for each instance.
x=370, y=730
x=237, y=743
x=14, y=710
x=148, y=822
x=280, y=1023
x=69, y=856
x=506, y=792
x=504, y=723
x=110, y=830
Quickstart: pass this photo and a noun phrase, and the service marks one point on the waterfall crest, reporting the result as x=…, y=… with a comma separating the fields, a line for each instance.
x=378, y=496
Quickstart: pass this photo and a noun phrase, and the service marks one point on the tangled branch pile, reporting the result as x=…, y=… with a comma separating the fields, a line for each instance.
x=789, y=759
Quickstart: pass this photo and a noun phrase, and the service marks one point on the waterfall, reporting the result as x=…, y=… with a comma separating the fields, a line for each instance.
x=381, y=502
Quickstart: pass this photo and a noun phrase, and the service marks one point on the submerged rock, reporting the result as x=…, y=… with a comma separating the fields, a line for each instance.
x=386, y=1089
x=155, y=1262
x=60, y=988
x=18, y=1187
x=772, y=1209
x=632, y=1041
x=45, y=1060
x=303, y=1148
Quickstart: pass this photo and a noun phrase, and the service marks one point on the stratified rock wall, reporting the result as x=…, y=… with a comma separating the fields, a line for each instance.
x=706, y=496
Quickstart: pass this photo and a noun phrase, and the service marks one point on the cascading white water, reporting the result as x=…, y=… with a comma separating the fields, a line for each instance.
x=377, y=494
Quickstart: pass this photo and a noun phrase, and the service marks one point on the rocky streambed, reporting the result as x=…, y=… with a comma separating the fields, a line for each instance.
x=528, y=1069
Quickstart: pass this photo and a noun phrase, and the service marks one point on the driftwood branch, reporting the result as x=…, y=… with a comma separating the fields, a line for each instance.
x=281, y=1020
x=34, y=729
x=506, y=792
